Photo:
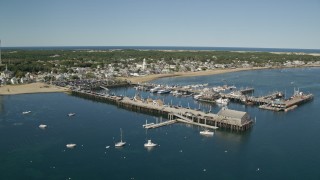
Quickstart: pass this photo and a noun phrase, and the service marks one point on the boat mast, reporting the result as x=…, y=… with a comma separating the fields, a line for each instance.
x=121, y=134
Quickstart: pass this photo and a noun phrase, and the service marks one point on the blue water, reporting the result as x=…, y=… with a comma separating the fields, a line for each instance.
x=279, y=146
x=165, y=48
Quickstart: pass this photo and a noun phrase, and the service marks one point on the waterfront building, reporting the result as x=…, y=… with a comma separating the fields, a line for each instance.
x=239, y=117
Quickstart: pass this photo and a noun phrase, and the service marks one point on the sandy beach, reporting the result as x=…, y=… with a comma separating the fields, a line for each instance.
x=147, y=78
x=30, y=88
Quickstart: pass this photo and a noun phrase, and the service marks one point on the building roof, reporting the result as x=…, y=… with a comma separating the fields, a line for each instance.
x=231, y=113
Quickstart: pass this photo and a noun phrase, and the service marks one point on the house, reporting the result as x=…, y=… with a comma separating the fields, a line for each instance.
x=14, y=80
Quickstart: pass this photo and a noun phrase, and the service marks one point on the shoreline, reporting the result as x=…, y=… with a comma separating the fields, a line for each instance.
x=30, y=88
x=147, y=78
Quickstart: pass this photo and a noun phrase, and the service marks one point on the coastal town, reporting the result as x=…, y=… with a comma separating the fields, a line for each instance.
x=137, y=69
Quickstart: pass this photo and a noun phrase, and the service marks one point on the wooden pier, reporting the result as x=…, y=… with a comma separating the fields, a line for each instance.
x=233, y=120
x=165, y=123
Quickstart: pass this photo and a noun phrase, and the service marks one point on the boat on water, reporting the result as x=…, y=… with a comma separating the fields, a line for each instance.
x=120, y=143
x=222, y=101
x=196, y=97
x=70, y=146
x=154, y=90
x=150, y=144
x=206, y=132
x=42, y=126
x=163, y=91
x=26, y=112
x=71, y=114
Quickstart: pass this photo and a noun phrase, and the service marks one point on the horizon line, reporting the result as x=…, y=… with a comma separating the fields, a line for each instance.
x=244, y=47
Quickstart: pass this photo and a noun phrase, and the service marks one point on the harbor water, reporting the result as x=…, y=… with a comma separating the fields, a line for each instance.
x=280, y=145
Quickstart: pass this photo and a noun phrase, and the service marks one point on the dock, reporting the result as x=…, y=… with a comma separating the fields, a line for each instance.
x=165, y=123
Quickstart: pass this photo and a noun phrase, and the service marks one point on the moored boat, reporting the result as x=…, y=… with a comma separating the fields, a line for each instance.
x=163, y=91
x=150, y=144
x=120, y=143
x=206, y=132
x=71, y=114
x=70, y=146
x=222, y=101
x=42, y=126
x=26, y=112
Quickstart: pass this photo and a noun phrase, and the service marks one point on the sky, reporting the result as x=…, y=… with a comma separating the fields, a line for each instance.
x=204, y=23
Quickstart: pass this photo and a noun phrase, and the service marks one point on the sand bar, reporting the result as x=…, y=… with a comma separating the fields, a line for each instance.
x=30, y=88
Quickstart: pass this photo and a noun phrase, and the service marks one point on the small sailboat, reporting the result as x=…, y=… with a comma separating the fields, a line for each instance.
x=121, y=143
x=206, y=132
x=150, y=144
x=71, y=146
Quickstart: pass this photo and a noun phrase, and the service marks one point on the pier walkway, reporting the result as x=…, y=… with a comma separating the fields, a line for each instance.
x=230, y=121
x=165, y=123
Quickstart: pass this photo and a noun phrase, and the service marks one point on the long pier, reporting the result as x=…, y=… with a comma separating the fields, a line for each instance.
x=165, y=123
x=195, y=117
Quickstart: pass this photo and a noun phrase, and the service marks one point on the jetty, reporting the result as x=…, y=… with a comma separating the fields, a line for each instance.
x=225, y=118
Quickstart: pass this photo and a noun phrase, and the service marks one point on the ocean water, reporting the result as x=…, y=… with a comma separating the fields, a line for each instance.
x=279, y=146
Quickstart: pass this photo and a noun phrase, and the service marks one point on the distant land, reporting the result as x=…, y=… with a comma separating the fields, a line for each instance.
x=172, y=48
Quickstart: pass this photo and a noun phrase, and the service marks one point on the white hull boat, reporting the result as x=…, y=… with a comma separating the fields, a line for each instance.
x=26, y=112
x=71, y=114
x=150, y=144
x=207, y=133
x=71, y=146
x=121, y=143
x=222, y=101
x=42, y=126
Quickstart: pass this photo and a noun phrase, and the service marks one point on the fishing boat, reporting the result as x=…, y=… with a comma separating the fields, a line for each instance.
x=71, y=146
x=154, y=90
x=163, y=91
x=150, y=144
x=206, y=132
x=121, y=143
x=222, y=101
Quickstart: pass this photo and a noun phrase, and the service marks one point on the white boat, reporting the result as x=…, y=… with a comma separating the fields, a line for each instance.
x=154, y=90
x=71, y=114
x=163, y=91
x=176, y=93
x=207, y=132
x=70, y=146
x=197, y=96
x=121, y=143
x=26, y=112
x=42, y=126
x=222, y=101
x=150, y=144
